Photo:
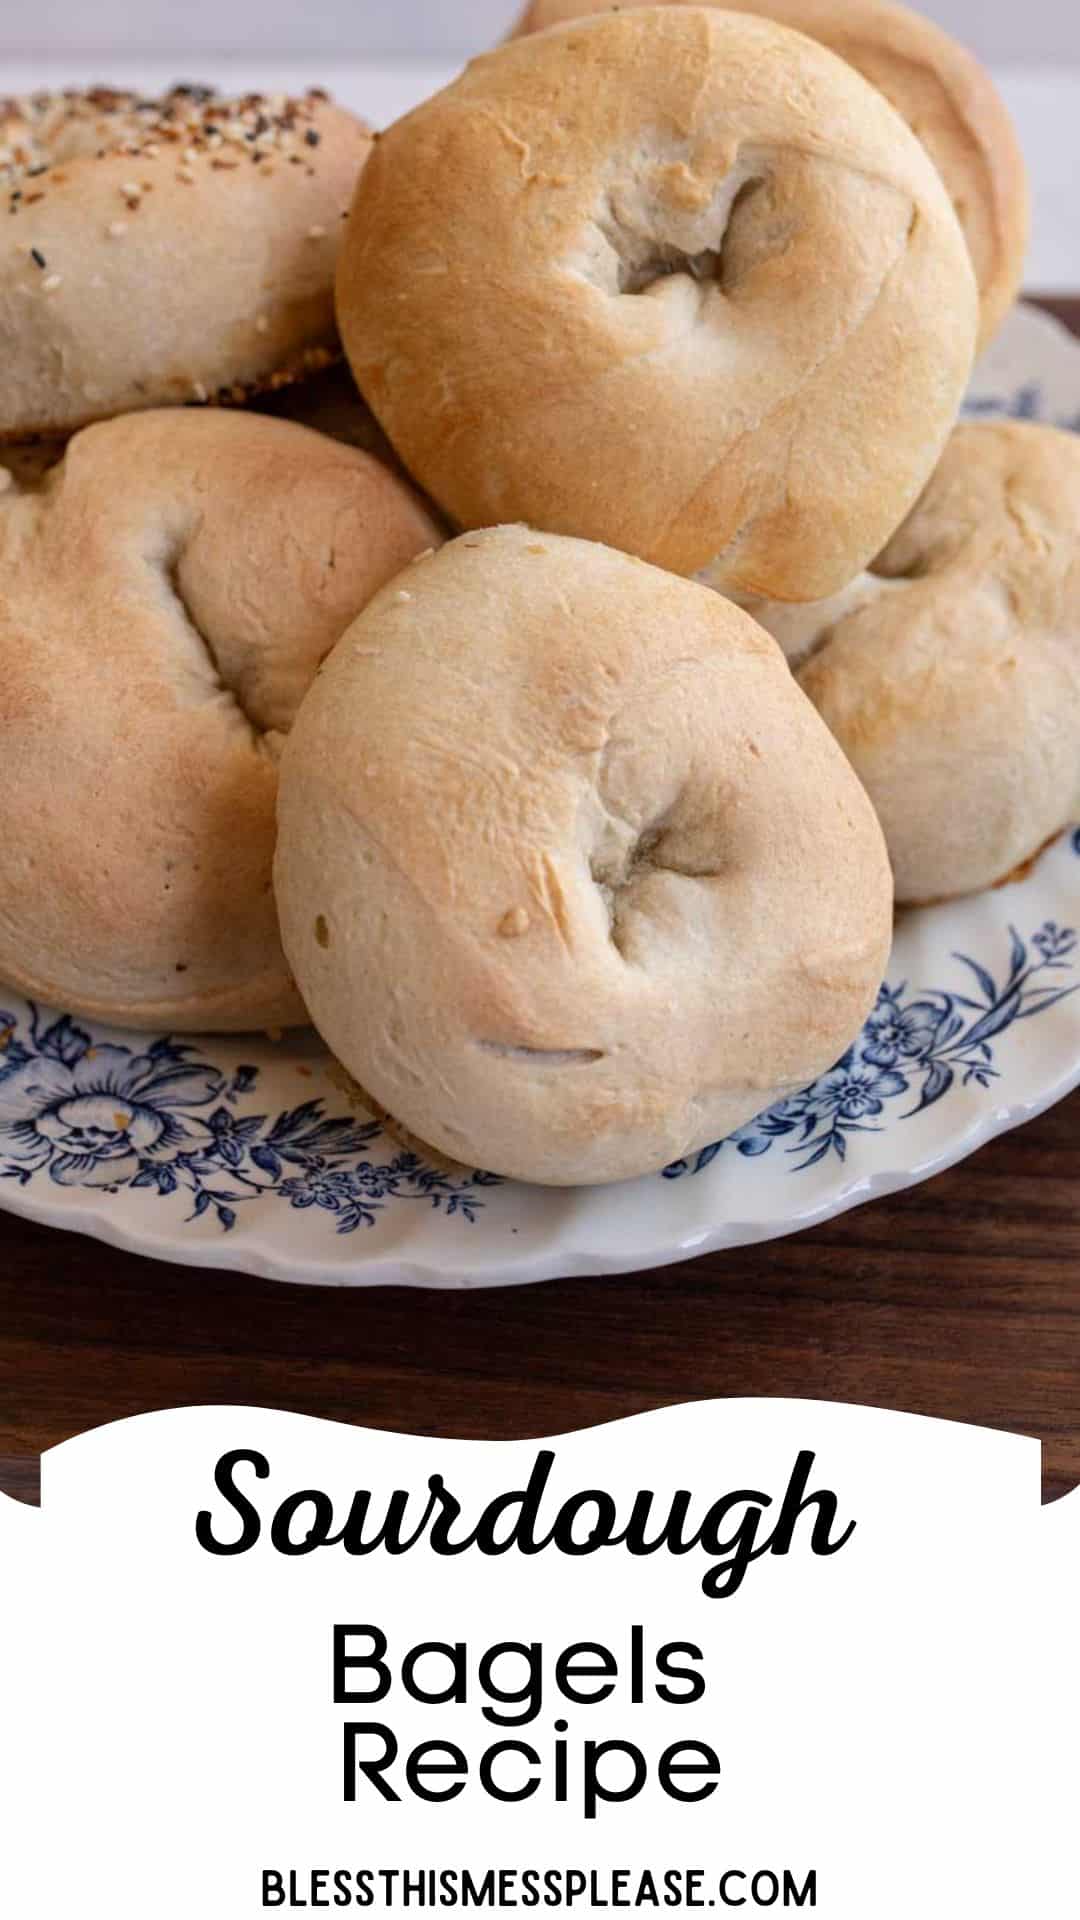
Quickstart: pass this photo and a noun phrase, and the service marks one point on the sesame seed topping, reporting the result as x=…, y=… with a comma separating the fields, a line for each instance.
x=103, y=122
x=51, y=282
x=116, y=229
x=37, y=257
x=316, y=233
x=262, y=324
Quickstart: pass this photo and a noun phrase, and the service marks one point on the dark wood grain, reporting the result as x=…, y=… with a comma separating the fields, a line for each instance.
x=960, y=1298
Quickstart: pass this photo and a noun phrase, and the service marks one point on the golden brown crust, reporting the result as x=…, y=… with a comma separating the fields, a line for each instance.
x=941, y=90
x=163, y=252
x=951, y=674
x=674, y=279
x=571, y=877
x=156, y=637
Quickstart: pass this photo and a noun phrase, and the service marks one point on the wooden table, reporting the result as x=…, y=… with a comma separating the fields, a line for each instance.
x=960, y=1298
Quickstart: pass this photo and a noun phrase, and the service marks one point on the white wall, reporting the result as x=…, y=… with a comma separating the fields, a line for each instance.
x=1033, y=32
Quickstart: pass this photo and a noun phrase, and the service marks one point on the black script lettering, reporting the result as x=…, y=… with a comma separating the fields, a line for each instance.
x=226, y=1485
x=797, y=1501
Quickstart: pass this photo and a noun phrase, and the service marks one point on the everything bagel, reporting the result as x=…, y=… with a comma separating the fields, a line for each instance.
x=162, y=251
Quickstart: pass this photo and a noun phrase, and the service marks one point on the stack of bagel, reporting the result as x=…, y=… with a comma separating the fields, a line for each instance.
x=512, y=590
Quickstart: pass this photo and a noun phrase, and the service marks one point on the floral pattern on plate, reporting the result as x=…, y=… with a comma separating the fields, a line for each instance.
x=107, y=1116
x=915, y=1044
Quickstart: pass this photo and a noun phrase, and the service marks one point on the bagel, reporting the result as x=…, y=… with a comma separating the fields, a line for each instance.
x=945, y=95
x=950, y=675
x=570, y=875
x=156, y=637
x=676, y=280
x=161, y=251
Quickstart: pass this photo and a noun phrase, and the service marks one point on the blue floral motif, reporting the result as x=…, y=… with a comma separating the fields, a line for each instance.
x=919, y=1046
x=894, y=1033
x=108, y=1117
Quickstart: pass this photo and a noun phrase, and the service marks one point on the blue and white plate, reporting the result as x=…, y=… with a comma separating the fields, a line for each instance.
x=240, y=1152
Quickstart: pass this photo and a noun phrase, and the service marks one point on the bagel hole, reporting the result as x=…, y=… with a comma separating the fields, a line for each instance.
x=745, y=243
x=642, y=851
x=662, y=263
x=620, y=859
x=917, y=568
x=169, y=564
x=653, y=241
x=614, y=864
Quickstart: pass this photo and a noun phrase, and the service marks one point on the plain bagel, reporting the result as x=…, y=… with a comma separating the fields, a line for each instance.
x=156, y=637
x=950, y=675
x=570, y=875
x=162, y=251
x=673, y=279
x=944, y=94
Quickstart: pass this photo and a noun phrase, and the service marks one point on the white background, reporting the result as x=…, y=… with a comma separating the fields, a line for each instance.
x=900, y=1716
